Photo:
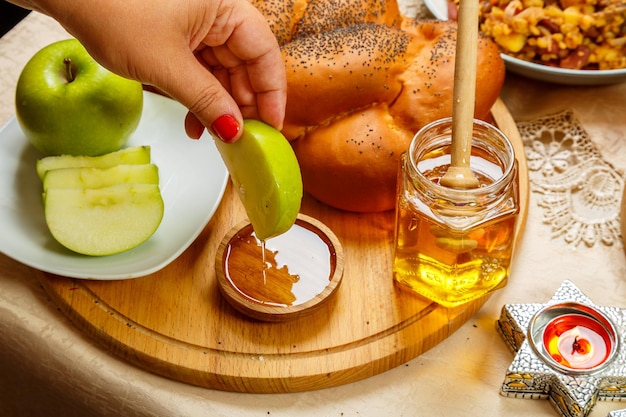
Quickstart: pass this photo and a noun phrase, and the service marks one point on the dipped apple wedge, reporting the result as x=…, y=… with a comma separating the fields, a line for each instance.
x=266, y=174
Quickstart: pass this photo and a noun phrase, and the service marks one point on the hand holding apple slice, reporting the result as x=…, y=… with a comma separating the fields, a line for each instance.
x=101, y=205
x=266, y=173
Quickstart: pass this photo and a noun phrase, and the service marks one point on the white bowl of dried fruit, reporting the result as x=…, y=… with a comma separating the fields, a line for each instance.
x=559, y=41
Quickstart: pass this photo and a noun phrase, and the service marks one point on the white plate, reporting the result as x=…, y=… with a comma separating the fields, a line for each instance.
x=439, y=8
x=192, y=181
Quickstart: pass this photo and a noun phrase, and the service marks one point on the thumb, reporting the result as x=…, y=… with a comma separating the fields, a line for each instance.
x=209, y=103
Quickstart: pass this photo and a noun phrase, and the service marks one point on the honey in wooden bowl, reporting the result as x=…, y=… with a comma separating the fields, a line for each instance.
x=283, y=278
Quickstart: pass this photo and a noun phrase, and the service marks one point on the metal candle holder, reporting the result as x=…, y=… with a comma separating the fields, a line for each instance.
x=538, y=373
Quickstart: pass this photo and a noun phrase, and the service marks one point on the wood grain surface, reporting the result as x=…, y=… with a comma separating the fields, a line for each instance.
x=175, y=322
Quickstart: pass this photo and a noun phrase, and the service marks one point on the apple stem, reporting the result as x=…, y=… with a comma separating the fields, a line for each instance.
x=68, y=69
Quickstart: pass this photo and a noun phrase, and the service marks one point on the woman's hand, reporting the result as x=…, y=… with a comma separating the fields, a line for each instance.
x=218, y=58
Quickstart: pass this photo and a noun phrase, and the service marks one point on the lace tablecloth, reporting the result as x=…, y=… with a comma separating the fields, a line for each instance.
x=576, y=151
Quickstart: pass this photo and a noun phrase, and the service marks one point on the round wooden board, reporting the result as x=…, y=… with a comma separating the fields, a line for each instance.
x=175, y=322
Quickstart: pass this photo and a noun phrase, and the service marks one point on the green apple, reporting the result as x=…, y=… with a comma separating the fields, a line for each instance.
x=127, y=156
x=266, y=174
x=101, y=177
x=68, y=104
x=103, y=221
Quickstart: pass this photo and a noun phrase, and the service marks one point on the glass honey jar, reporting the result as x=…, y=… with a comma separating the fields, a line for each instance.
x=452, y=245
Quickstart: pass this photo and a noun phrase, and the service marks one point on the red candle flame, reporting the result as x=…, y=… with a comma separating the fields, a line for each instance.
x=581, y=346
x=577, y=341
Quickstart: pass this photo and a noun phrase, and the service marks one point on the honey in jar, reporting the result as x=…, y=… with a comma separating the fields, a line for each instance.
x=453, y=246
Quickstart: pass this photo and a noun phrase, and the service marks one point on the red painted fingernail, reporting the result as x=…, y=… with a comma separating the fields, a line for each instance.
x=225, y=127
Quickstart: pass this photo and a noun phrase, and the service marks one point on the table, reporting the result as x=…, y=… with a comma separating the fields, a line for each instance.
x=47, y=367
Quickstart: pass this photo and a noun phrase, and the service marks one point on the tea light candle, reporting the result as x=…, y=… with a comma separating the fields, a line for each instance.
x=577, y=341
x=573, y=338
x=572, y=352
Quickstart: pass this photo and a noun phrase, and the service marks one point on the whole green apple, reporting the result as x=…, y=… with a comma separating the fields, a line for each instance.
x=68, y=104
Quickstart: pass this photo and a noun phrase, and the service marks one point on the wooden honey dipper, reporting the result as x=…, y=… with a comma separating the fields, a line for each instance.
x=460, y=175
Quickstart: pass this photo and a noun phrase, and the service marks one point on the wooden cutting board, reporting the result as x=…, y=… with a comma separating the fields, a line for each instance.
x=176, y=324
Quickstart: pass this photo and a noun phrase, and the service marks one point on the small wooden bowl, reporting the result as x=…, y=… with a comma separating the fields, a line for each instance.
x=304, y=267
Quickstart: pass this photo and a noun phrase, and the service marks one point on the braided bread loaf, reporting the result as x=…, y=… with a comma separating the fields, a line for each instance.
x=361, y=81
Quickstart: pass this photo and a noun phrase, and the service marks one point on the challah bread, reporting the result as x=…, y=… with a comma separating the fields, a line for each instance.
x=333, y=73
x=282, y=16
x=292, y=19
x=357, y=94
x=352, y=163
x=324, y=15
x=428, y=84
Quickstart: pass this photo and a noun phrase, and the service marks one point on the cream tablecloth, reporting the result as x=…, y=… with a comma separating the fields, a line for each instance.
x=47, y=367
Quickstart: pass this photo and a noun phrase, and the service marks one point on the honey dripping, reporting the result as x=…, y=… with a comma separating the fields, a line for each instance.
x=285, y=270
x=264, y=262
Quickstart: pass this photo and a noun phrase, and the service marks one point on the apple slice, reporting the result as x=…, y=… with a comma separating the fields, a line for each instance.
x=103, y=221
x=266, y=174
x=100, y=177
x=127, y=156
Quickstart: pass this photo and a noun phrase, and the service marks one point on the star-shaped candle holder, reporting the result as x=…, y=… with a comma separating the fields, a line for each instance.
x=568, y=351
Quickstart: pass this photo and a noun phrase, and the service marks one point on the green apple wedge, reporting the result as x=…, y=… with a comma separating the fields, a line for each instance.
x=127, y=156
x=86, y=177
x=103, y=221
x=266, y=174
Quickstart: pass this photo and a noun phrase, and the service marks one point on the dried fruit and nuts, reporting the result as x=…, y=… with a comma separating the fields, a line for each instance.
x=573, y=34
